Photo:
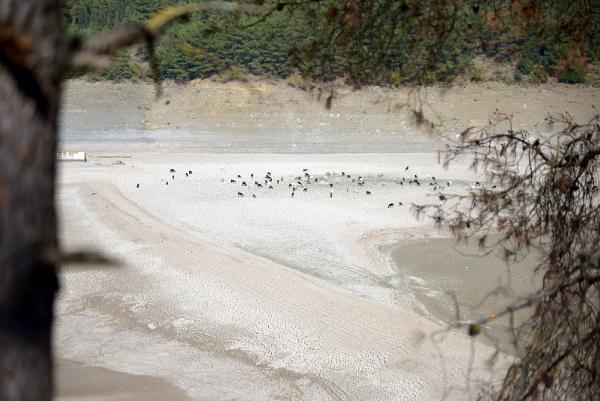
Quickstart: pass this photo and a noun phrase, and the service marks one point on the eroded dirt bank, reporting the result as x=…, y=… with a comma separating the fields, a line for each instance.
x=245, y=107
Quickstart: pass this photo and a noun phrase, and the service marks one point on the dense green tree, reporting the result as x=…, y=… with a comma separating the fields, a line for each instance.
x=415, y=42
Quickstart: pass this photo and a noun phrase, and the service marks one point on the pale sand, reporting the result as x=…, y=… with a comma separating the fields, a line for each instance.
x=320, y=315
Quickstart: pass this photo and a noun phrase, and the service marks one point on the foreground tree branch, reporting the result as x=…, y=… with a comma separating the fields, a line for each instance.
x=542, y=192
x=31, y=70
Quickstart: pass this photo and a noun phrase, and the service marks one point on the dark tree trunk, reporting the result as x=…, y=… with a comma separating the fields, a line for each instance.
x=30, y=74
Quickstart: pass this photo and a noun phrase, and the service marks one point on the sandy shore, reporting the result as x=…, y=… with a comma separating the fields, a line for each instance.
x=274, y=297
x=324, y=295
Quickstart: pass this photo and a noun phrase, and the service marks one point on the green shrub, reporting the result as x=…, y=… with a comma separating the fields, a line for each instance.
x=476, y=74
x=518, y=77
x=538, y=75
x=572, y=76
x=525, y=66
x=297, y=81
x=119, y=68
x=233, y=74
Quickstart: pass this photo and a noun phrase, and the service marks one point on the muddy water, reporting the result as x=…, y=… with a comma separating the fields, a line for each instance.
x=76, y=381
x=459, y=283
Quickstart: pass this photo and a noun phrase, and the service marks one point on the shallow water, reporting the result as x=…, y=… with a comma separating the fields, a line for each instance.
x=234, y=142
x=97, y=383
x=442, y=274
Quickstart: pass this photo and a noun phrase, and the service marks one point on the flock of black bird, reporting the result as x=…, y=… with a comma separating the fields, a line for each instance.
x=304, y=181
x=172, y=172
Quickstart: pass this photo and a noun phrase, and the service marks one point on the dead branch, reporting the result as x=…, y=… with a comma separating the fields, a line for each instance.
x=542, y=192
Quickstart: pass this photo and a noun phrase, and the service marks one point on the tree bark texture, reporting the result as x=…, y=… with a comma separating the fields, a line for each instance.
x=31, y=67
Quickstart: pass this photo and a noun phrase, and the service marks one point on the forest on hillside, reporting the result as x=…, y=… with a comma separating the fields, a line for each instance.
x=232, y=45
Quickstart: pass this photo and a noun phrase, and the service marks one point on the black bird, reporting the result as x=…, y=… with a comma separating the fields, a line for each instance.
x=305, y=189
x=173, y=176
x=254, y=195
x=292, y=194
x=406, y=168
x=190, y=172
x=304, y=169
x=270, y=187
x=258, y=184
x=186, y=174
x=391, y=205
x=138, y=185
x=330, y=185
x=244, y=184
x=239, y=176
x=252, y=175
x=400, y=203
x=240, y=195
x=477, y=183
x=368, y=192
x=232, y=181
x=290, y=185
x=172, y=170
x=167, y=182
x=331, y=194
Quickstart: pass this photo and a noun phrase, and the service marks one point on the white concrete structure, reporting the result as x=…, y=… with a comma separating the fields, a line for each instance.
x=71, y=156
